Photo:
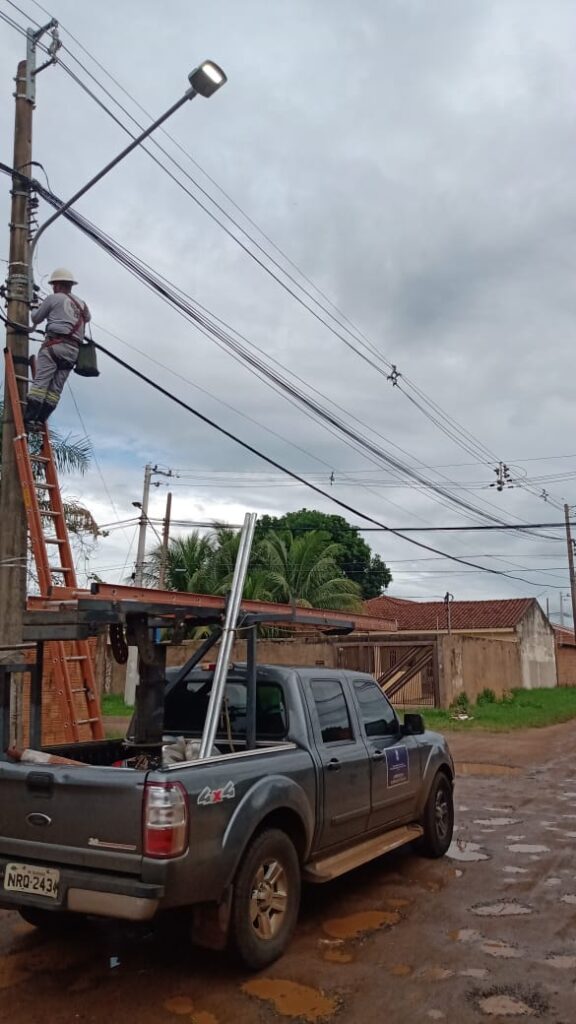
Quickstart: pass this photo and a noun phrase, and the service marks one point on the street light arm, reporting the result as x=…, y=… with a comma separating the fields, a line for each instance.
x=188, y=95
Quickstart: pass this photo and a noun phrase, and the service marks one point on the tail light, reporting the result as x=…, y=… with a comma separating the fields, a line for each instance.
x=165, y=819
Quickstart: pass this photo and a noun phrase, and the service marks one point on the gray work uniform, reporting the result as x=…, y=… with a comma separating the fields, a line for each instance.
x=66, y=317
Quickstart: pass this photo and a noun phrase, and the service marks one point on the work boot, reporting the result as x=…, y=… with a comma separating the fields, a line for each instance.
x=33, y=415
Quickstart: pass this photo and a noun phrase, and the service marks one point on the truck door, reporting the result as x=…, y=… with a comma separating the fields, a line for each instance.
x=345, y=765
x=394, y=759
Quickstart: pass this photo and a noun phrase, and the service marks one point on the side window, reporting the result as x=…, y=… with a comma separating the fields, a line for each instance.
x=376, y=713
x=332, y=710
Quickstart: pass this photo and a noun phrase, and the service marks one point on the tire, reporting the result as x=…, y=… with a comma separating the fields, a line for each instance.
x=268, y=874
x=53, y=922
x=438, y=819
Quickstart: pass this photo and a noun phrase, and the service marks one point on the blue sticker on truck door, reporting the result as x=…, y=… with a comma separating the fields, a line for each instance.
x=397, y=765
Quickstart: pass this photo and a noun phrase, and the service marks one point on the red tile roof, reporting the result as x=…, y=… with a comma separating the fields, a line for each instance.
x=431, y=615
x=563, y=636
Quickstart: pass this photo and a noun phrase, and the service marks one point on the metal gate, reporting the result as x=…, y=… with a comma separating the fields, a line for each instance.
x=407, y=670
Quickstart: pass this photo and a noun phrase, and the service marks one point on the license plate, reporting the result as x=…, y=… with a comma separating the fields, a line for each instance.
x=31, y=880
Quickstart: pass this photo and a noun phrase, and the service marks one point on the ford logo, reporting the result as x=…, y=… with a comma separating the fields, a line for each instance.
x=41, y=820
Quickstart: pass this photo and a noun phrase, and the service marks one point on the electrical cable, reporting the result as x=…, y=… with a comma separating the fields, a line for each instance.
x=451, y=427
x=248, y=447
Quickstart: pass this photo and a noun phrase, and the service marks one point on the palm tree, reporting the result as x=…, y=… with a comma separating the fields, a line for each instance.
x=72, y=454
x=282, y=568
x=188, y=564
x=303, y=570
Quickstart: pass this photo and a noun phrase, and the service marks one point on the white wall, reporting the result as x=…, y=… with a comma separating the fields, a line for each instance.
x=537, y=650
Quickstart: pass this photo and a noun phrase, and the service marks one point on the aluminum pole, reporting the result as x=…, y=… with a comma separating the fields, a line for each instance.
x=221, y=670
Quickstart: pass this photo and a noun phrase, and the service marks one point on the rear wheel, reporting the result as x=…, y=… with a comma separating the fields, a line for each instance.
x=266, y=899
x=438, y=819
x=50, y=921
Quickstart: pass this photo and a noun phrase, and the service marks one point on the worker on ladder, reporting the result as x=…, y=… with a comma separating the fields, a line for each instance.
x=66, y=315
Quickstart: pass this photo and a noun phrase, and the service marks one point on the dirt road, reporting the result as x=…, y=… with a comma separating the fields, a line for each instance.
x=488, y=935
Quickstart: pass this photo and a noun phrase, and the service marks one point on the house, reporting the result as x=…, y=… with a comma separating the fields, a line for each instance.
x=519, y=622
x=565, y=656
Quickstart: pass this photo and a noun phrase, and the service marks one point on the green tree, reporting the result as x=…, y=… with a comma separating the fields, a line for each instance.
x=354, y=558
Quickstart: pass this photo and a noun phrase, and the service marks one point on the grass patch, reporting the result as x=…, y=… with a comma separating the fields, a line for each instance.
x=113, y=704
x=521, y=709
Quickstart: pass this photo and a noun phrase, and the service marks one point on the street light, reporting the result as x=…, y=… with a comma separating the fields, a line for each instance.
x=205, y=80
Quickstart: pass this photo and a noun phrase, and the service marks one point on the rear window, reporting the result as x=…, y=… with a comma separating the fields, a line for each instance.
x=186, y=707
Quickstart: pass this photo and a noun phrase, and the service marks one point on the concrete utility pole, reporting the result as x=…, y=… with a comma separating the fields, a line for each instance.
x=13, y=531
x=165, y=541
x=131, y=681
x=13, y=528
x=570, y=544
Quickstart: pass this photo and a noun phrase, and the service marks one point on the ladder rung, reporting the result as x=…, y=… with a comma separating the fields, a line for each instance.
x=75, y=657
x=86, y=721
x=39, y=483
x=20, y=377
x=53, y=540
x=81, y=690
x=46, y=512
x=39, y=458
x=60, y=568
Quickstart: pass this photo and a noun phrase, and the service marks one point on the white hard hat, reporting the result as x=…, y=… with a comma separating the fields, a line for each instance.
x=61, y=274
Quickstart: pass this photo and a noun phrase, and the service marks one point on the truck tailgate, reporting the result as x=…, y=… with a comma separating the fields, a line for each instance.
x=88, y=817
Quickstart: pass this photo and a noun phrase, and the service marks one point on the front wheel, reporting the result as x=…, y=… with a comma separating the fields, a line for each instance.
x=266, y=899
x=438, y=819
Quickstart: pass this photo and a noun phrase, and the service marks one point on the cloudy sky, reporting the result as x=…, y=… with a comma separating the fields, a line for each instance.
x=416, y=162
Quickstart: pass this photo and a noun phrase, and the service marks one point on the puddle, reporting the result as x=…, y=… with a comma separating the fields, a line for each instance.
x=397, y=903
x=463, y=808
x=505, y=1006
x=473, y=972
x=180, y=1005
x=502, y=908
x=497, y=821
x=400, y=970
x=462, y=850
x=435, y=974
x=527, y=847
x=479, y=768
x=358, y=924
x=511, y=869
x=569, y=898
x=495, y=947
x=458, y=873
x=514, y=1001
x=563, y=963
x=553, y=881
x=436, y=1015
x=11, y=972
x=337, y=956
x=465, y=935
x=290, y=999
x=515, y=839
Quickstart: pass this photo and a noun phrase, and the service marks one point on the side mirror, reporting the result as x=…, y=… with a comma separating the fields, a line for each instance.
x=413, y=725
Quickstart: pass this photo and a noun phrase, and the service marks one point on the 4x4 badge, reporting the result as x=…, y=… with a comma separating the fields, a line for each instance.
x=208, y=796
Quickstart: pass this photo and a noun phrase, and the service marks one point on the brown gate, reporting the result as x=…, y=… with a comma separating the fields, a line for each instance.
x=406, y=670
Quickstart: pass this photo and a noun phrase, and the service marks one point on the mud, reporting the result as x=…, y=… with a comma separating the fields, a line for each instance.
x=290, y=999
x=435, y=958
x=478, y=768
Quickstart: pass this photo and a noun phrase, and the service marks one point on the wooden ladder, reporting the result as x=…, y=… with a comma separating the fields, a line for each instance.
x=71, y=662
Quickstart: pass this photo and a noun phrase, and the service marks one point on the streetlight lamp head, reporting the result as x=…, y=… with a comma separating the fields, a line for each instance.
x=207, y=78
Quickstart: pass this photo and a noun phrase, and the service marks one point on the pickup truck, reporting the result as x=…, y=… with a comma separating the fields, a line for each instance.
x=333, y=780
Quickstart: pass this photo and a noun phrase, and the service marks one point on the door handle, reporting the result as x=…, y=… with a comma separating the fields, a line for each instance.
x=334, y=765
x=378, y=755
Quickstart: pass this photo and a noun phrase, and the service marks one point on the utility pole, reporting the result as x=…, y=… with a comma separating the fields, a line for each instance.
x=165, y=540
x=131, y=681
x=561, y=608
x=448, y=597
x=570, y=544
x=13, y=528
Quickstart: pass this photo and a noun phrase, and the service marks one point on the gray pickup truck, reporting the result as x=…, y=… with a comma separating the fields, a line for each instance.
x=332, y=781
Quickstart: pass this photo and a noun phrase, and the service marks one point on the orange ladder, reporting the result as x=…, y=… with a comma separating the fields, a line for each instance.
x=72, y=666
